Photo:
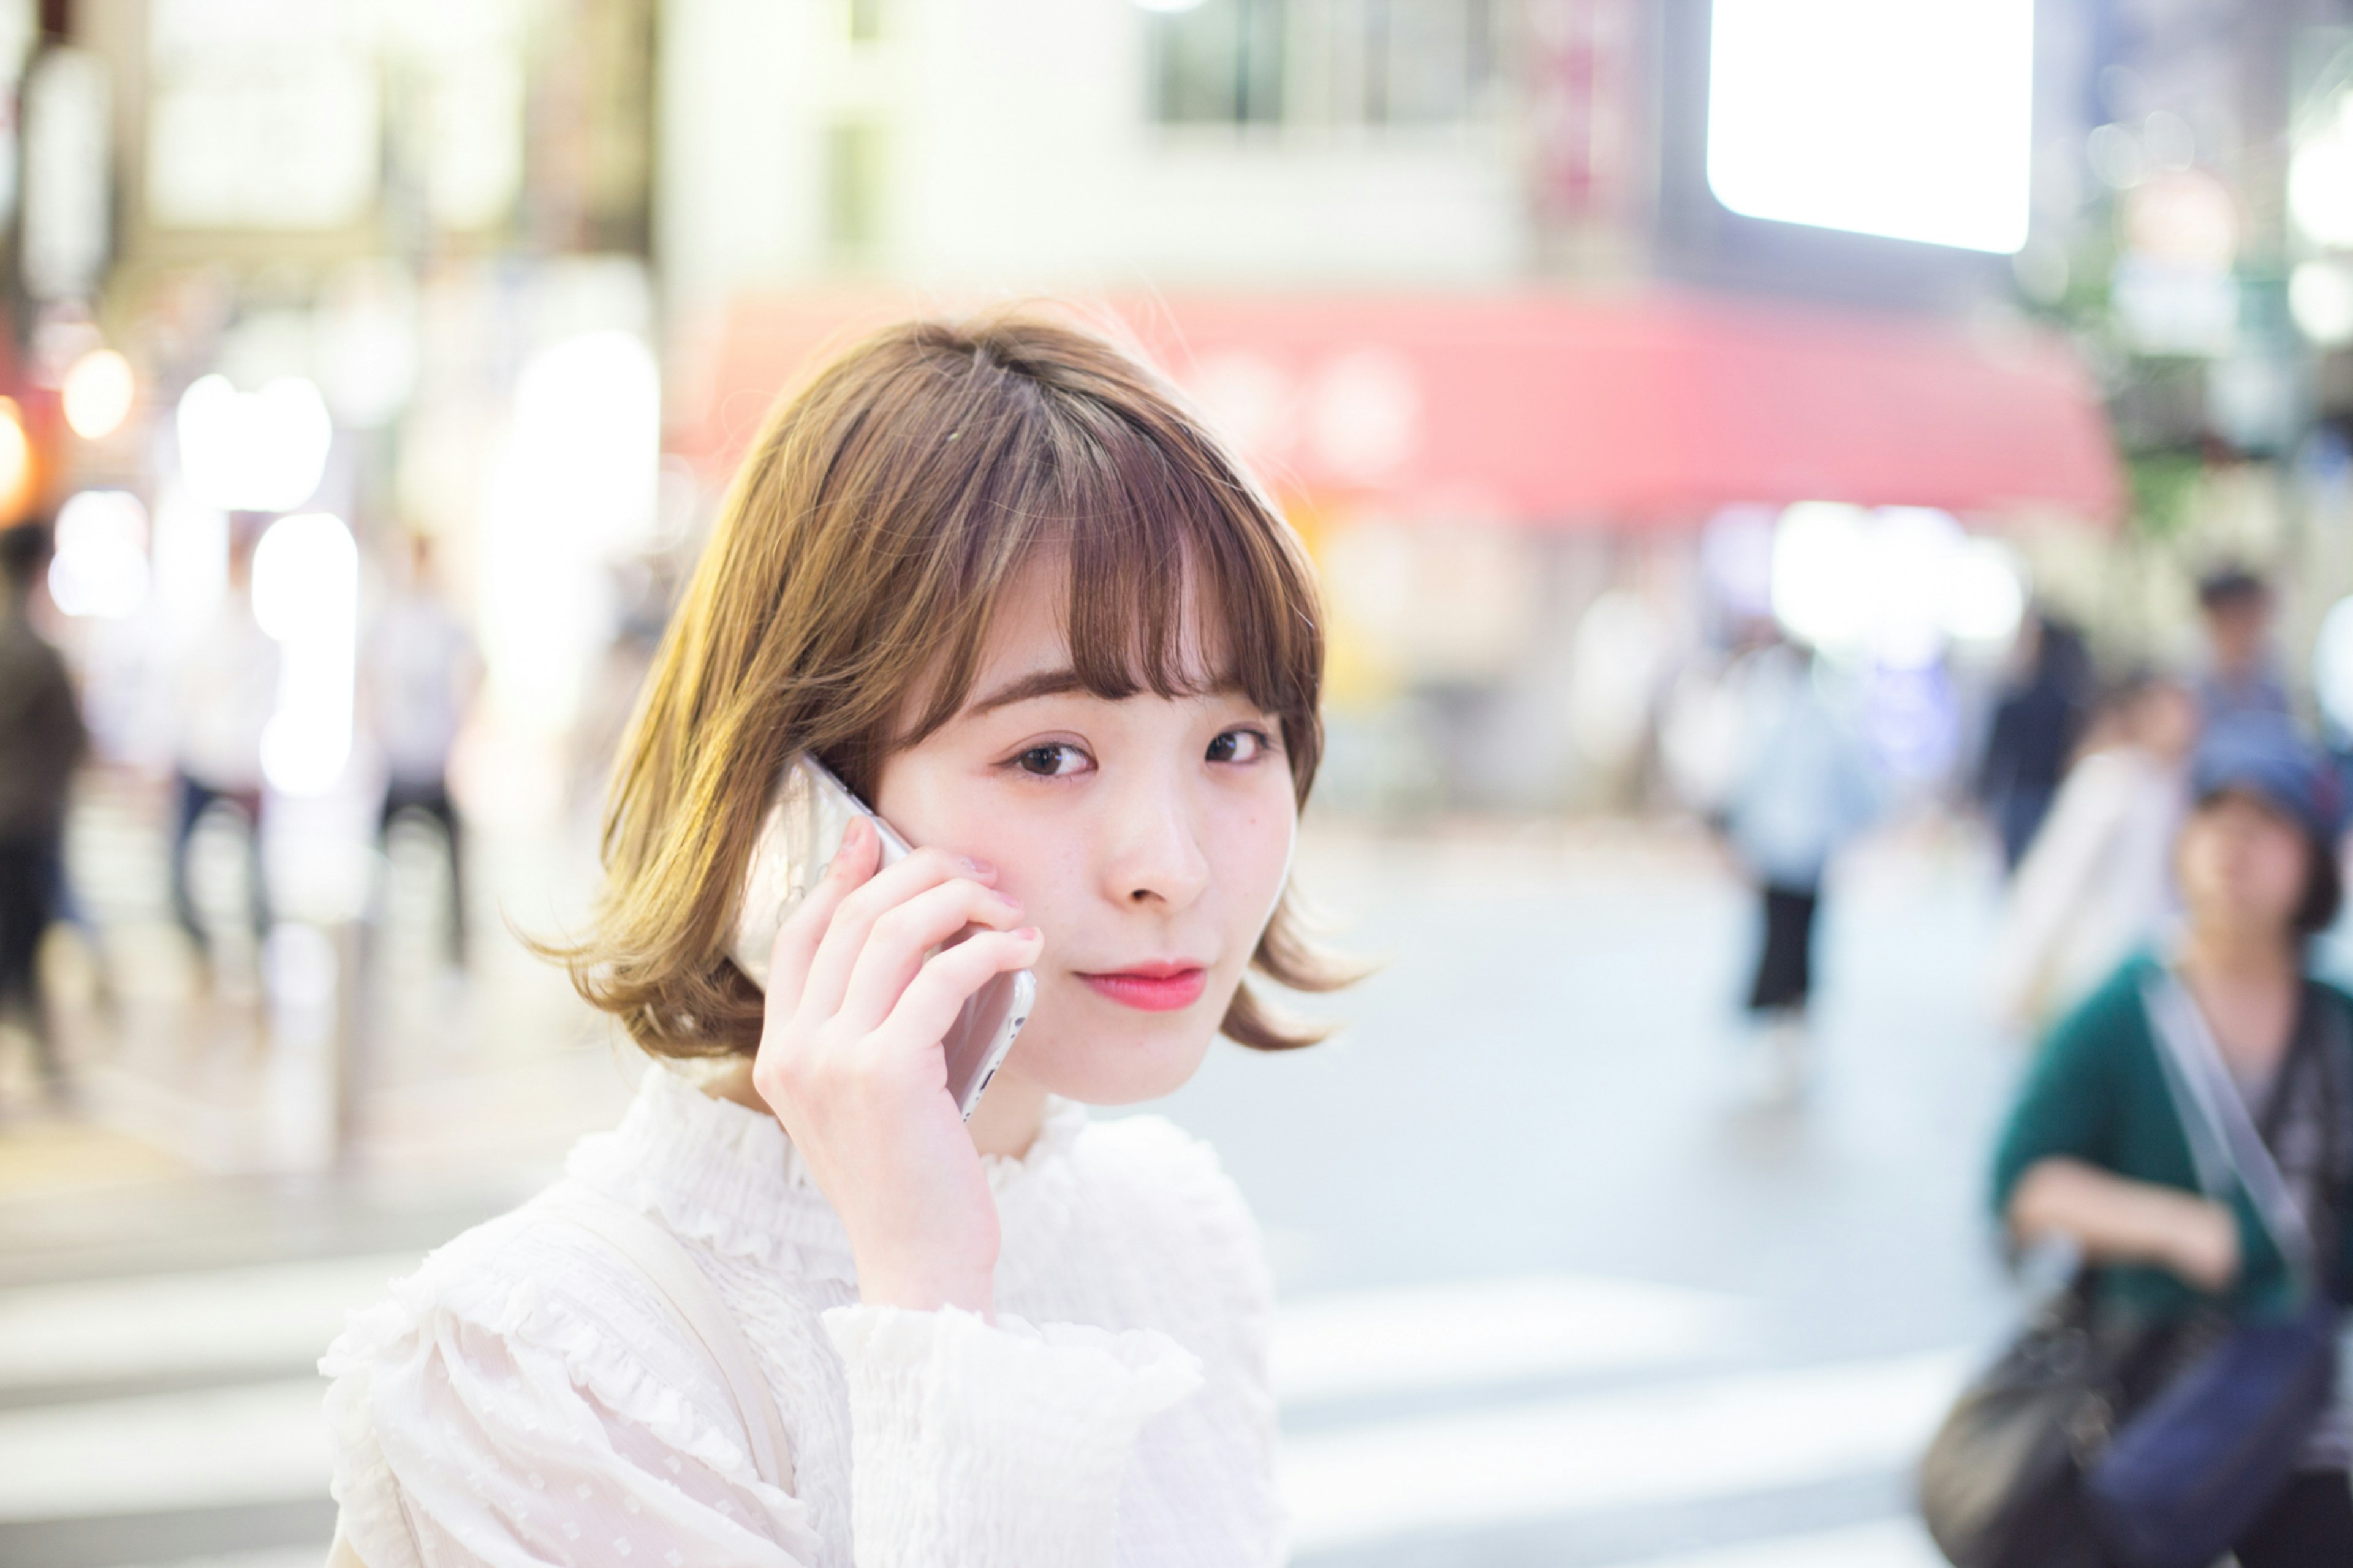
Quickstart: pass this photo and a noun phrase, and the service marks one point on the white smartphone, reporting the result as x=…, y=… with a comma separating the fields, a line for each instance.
x=806, y=816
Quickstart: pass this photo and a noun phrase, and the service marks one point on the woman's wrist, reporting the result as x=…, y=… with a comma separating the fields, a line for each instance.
x=2196, y=1239
x=920, y=1287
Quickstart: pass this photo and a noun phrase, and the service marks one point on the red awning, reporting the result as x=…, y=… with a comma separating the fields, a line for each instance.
x=1560, y=410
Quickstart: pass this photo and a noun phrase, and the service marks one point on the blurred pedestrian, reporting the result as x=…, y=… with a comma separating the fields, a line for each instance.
x=2242, y=672
x=2110, y=1144
x=2096, y=883
x=1808, y=788
x=41, y=740
x=421, y=672
x=2034, y=730
x=226, y=691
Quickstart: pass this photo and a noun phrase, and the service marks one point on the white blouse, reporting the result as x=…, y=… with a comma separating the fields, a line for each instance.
x=526, y=1397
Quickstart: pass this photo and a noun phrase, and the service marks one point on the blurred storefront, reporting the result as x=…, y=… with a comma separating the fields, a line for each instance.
x=1494, y=482
x=1586, y=340
x=1453, y=273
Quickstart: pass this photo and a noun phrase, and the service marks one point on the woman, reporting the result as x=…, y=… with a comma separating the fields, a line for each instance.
x=2093, y=886
x=2096, y=1154
x=1000, y=582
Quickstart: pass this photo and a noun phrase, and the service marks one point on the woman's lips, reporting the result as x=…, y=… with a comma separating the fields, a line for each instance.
x=1153, y=987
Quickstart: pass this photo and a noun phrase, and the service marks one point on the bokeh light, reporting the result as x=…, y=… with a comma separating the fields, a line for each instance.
x=578, y=483
x=2320, y=181
x=1912, y=121
x=1893, y=585
x=1821, y=568
x=306, y=574
x=98, y=394
x=2320, y=297
x=2332, y=666
x=15, y=461
x=261, y=451
x=100, y=569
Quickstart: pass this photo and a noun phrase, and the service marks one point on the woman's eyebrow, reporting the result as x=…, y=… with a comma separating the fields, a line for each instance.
x=1027, y=688
x=1061, y=682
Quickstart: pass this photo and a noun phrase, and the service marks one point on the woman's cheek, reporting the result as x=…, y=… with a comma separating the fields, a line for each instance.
x=2285, y=873
x=1266, y=841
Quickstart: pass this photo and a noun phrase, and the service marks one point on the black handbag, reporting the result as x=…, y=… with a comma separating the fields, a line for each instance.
x=2001, y=1483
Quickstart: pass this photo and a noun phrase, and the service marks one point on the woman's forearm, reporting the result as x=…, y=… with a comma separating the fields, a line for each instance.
x=2116, y=1219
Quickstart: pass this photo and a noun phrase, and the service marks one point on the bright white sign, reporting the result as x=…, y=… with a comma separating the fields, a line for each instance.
x=1911, y=119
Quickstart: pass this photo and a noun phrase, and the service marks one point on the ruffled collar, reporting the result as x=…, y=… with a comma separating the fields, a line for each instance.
x=724, y=1174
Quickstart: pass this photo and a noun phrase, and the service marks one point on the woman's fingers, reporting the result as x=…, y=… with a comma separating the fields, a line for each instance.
x=900, y=936
x=827, y=977
x=805, y=928
x=929, y=1006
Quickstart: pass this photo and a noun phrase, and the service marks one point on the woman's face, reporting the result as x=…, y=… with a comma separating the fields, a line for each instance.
x=1148, y=839
x=2242, y=866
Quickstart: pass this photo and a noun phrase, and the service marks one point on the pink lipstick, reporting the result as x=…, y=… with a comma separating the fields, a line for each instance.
x=1153, y=987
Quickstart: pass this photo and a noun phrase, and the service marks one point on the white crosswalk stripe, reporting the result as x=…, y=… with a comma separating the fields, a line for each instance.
x=1680, y=1443
x=1690, y=1430
x=300, y=1557
x=1887, y=1544
x=1488, y=1333
x=273, y=1317
x=261, y=1442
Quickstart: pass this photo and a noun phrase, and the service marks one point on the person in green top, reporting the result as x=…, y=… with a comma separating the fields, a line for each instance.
x=2093, y=1153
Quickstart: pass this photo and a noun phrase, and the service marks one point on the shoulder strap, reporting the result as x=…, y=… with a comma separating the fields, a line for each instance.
x=674, y=1274
x=2223, y=1141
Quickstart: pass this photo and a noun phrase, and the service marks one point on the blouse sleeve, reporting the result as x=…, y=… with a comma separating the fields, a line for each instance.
x=493, y=1423
x=978, y=1446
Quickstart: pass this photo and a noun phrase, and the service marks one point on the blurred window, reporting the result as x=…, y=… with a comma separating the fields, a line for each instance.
x=260, y=115
x=1325, y=62
x=853, y=181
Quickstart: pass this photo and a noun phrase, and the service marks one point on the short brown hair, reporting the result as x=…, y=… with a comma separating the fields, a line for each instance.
x=858, y=559
x=2323, y=892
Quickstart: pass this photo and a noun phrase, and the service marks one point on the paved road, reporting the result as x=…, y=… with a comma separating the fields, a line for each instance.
x=1559, y=1290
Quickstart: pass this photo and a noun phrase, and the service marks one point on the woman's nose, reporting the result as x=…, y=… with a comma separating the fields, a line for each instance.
x=1155, y=855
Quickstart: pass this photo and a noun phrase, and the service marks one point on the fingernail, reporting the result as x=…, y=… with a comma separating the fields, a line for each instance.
x=1007, y=900
x=979, y=868
x=1029, y=933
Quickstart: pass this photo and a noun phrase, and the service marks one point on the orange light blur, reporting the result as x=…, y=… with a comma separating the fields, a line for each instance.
x=16, y=462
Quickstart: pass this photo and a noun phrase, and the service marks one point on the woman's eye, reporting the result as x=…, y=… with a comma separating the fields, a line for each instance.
x=1238, y=746
x=1051, y=760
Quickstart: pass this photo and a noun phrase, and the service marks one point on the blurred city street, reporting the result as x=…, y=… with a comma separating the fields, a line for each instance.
x=1559, y=1286
x=1784, y=480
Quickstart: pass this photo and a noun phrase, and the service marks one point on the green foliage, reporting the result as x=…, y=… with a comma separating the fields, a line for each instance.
x=2163, y=485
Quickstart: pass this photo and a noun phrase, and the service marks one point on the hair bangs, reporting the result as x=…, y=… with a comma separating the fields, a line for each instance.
x=1181, y=578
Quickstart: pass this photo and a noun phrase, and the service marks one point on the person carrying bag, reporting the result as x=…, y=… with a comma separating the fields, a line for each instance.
x=2177, y=1402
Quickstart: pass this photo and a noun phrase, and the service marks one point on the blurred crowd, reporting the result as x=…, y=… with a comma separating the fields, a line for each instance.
x=417, y=678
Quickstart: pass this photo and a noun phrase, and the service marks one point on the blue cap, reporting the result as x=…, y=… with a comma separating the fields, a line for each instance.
x=2263, y=754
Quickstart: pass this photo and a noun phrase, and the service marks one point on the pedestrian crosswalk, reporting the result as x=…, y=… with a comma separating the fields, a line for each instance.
x=1672, y=1444
x=1430, y=1415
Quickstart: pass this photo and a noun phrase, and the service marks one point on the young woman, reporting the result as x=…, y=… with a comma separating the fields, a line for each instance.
x=2094, y=887
x=1004, y=584
x=2095, y=1151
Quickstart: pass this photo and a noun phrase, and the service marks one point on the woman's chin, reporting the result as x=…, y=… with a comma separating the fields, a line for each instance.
x=1102, y=1053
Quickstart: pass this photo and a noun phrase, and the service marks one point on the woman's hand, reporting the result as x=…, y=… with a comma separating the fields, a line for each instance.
x=2116, y=1219
x=2203, y=1245
x=849, y=1060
